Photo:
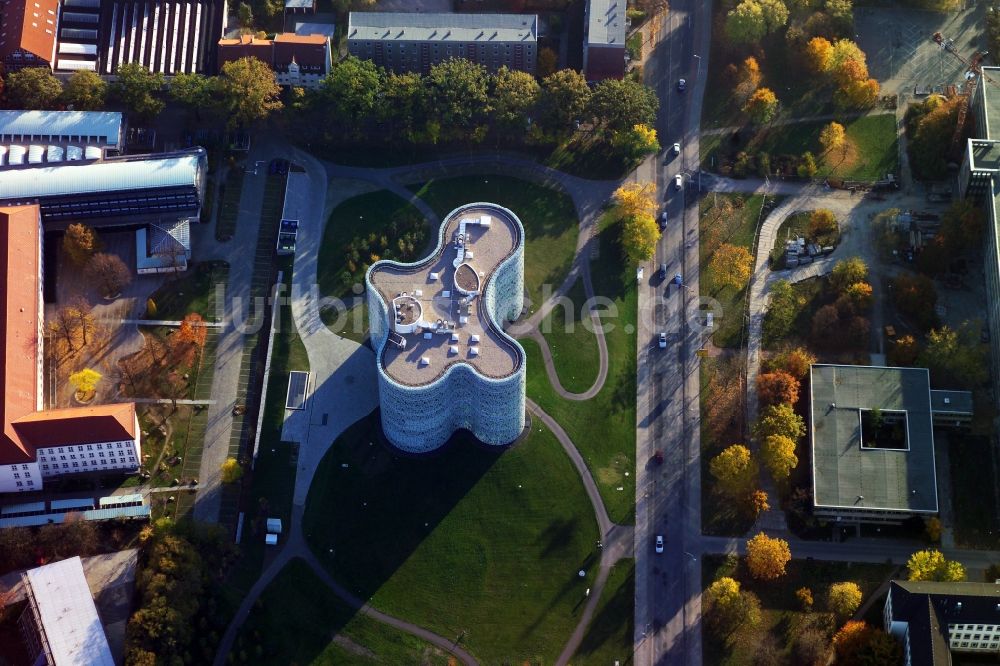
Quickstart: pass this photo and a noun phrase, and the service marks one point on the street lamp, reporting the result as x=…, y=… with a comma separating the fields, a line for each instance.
x=698, y=58
x=693, y=558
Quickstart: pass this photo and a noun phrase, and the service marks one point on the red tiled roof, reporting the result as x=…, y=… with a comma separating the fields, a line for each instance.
x=24, y=428
x=245, y=46
x=78, y=425
x=19, y=323
x=23, y=25
x=307, y=50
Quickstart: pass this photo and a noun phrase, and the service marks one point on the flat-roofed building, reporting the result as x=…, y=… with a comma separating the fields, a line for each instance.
x=414, y=42
x=444, y=360
x=872, y=436
x=300, y=6
x=112, y=192
x=28, y=33
x=604, y=40
x=105, y=129
x=60, y=624
x=979, y=180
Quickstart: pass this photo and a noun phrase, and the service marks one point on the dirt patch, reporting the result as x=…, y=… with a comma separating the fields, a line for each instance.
x=352, y=647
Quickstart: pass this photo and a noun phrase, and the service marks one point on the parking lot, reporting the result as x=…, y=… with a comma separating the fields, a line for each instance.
x=902, y=54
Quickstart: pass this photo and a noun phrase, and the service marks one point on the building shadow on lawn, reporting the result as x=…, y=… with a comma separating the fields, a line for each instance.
x=370, y=506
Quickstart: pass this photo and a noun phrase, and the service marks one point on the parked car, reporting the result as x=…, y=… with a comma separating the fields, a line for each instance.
x=663, y=220
x=677, y=149
x=663, y=340
x=681, y=85
x=638, y=274
x=678, y=182
x=659, y=543
x=663, y=272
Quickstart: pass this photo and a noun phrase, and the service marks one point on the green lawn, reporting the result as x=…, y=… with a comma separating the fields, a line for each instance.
x=783, y=619
x=189, y=293
x=727, y=219
x=366, y=225
x=607, y=440
x=549, y=218
x=609, y=636
x=872, y=146
x=472, y=542
x=574, y=347
x=972, y=485
x=298, y=620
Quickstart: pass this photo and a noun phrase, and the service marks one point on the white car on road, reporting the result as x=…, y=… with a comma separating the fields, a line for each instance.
x=659, y=543
x=678, y=182
x=638, y=274
x=677, y=149
x=663, y=341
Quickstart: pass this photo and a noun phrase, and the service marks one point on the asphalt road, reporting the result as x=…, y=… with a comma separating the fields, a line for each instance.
x=668, y=607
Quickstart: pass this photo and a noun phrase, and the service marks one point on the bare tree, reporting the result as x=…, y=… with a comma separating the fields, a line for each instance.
x=64, y=325
x=83, y=312
x=109, y=273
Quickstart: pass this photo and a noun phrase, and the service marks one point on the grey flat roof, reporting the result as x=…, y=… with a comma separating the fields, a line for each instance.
x=991, y=97
x=68, y=615
x=105, y=124
x=95, y=177
x=606, y=22
x=315, y=28
x=954, y=402
x=985, y=154
x=406, y=27
x=890, y=480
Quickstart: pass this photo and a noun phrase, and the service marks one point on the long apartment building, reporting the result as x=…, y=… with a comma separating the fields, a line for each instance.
x=35, y=443
x=414, y=42
x=444, y=361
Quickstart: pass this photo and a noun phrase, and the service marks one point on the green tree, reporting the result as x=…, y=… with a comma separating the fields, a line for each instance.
x=734, y=470
x=929, y=128
x=248, y=92
x=779, y=420
x=833, y=137
x=403, y=103
x=138, y=89
x=962, y=225
x=639, y=237
x=564, y=98
x=782, y=310
x=85, y=91
x=932, y=565
x=778, y=453
x=637, y=142
x=745, y=23
x=195, y=91
x=349, y=93
x=762, y=106
x=728, y=608
x=620, y=104
x=458, y=93
x=915, y=296
x=807, y=166
x=847, y=272
x=843, y=598
x=955, y=358
x=244, y=15
x=515, y=94
x=775, y=14
x=33, y=88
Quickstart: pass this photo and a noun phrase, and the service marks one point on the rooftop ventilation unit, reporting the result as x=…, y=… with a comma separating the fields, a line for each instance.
x=474, y=351
x=453, y=349
x=474, y=340
x=424, y=360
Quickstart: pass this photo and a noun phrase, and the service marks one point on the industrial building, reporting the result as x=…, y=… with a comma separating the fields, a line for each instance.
x=104, y=130
x=60, y=625
x=604, y=40
x=934, y=619
x=444, y=361
x=872, y=437
x=35, y=443
x=414, y=42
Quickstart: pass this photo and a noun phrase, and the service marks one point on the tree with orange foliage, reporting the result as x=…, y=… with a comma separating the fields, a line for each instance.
x=795, y=362
x=857, y=94
x=819, y=54
x=861, y=643
x=758, y=502
x=777, y=387
x=189, y=339
x=747, y=80
x=904, y=351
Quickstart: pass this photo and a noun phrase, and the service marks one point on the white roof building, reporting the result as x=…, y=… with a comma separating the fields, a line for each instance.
x=98, y=127
x=62, y=616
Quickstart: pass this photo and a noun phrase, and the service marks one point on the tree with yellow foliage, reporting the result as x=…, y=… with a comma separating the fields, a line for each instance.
x=231, y=471
x=778, y=453
x=731, y=265
x=843, y=598
x=762, y=106
x=84, y=383
x=767, y=557
x=639, y=237
x=637, y=142
x=735, y=472
x=636, y=199
x=833, y=137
